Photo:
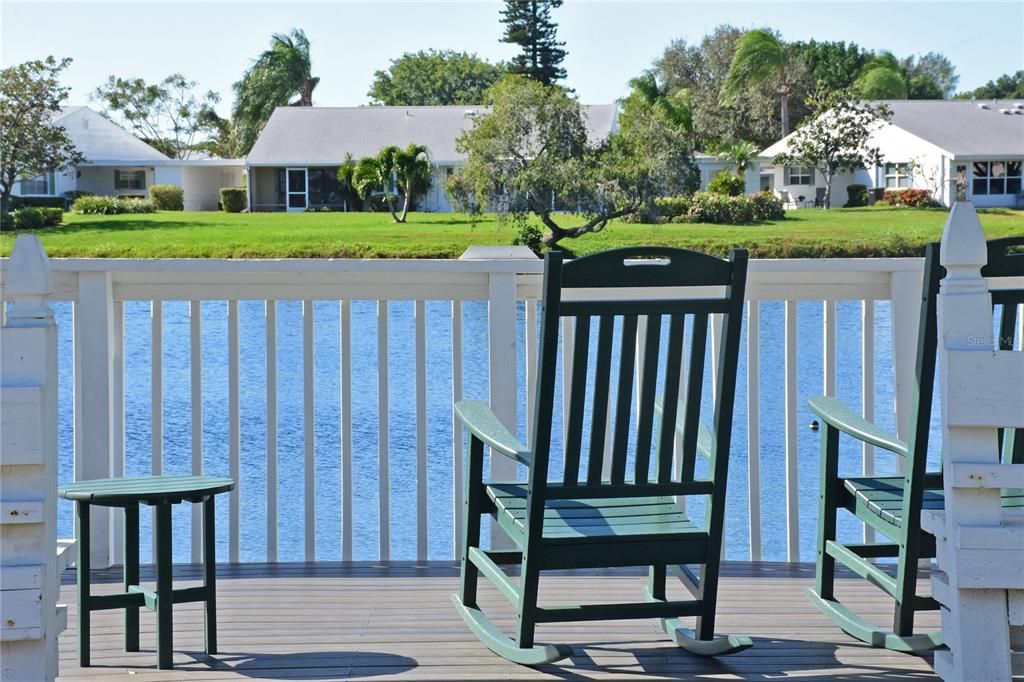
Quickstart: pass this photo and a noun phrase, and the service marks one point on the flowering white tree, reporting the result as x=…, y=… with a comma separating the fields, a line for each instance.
x=836, y=137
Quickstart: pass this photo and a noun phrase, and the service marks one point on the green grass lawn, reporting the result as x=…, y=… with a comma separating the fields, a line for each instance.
x=807, y=233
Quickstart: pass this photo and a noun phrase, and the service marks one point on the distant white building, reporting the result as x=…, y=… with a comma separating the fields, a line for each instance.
x=119, y=164
x=294, y=163
x=938, y=145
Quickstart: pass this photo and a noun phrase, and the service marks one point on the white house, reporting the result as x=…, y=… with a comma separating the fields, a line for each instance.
x=119, y=164
x=950, y=147
x=294, y=163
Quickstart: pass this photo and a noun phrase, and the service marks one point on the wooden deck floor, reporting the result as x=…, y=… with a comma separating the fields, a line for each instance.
x=327, y=621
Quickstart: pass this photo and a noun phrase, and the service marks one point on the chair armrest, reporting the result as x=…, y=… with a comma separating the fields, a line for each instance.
x=705, y=439
x=837, y=415
x=485, y=425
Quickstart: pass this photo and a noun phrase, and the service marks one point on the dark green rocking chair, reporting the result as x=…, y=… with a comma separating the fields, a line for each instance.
x=892, y=505
x=599, y=514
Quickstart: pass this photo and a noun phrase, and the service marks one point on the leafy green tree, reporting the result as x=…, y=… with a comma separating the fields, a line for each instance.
x=280, y=76
x=701, y=70
x=531, y=154
x=882, y=78
x=762, y=57
x=832, y=65
x=931, y=76
x=528, y=24
x=435, y=77
x=740, y=154
x=394, y=172
x=30, y=98
x=168, y=115
x=837, y=137
x=1007, y=86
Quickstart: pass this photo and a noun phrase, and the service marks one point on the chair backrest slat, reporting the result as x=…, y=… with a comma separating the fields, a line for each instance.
x=623, y=401
x=670, y=398
x=648, y=386
x=694, y=391
x=574, y=431
x=602, y=381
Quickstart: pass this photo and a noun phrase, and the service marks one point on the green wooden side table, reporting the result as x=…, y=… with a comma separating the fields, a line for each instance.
x=160, y=492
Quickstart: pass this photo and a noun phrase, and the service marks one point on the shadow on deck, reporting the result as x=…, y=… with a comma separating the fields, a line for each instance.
x=366, y=621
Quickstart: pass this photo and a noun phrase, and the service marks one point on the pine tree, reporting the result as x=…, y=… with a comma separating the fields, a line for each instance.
x=528, y=24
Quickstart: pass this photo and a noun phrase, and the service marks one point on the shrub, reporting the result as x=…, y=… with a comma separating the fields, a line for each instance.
x=767, y=206
x=673, y=207
x=911, y=197
x=719, y=208
x=728, y=183
x=856, y=195
x=28, y=218
x=37, y=202
x=53, y=216
x=167, y=197
x=528, y=234
x=93, y=205
x=233, y=199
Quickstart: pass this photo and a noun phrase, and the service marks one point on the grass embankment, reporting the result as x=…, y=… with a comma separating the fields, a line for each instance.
x=807, y=233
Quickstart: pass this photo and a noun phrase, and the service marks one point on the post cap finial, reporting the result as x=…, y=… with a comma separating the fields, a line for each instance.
x=963, y=241
x=28, y=271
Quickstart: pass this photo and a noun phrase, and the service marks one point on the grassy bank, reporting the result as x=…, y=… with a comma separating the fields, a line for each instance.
x=808, y=233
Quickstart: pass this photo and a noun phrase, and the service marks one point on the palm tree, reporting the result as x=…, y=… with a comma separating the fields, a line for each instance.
x=673, y=106
x=281, y=76
x=391, y=172
x=412, y=171
x=761, y=57
x=740, y=154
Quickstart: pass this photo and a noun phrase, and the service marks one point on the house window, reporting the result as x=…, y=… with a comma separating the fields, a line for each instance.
x=133, y=179
x=799, y=175
x=40, y=184
x=898, y=175
x=997, y=177
x=961, y=183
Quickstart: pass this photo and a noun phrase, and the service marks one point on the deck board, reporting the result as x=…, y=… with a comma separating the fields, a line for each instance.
x=334, y=621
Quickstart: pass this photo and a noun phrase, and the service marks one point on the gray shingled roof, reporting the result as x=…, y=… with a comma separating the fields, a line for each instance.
x=315, y=135
x=961, y=127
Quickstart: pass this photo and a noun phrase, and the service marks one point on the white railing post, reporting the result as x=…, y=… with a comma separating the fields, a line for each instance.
x=94, y=392
x=906, y=292
x=501, y=354
x=29, y=569
x=980, y=561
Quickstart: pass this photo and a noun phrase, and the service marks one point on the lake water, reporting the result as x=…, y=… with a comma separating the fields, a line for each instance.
x=177, y=420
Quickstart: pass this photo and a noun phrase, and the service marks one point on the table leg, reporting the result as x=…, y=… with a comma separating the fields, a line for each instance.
x=210, y=573
x=82, y=511
x=131, y=575
x=164, y=587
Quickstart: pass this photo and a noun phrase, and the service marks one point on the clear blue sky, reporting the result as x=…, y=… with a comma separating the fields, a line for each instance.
x=608, y=42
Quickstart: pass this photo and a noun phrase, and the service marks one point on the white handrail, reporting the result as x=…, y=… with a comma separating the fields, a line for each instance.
x=99, y=289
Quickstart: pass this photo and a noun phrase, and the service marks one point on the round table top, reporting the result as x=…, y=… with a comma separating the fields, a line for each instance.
x=148, y=489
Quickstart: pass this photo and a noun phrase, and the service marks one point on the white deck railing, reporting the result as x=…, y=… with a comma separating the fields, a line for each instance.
x=99, y=290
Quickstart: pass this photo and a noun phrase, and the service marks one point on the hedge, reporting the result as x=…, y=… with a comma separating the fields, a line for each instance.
x=706, y=207
x=38, y=202
x=911, y=197
x=167, y=197
x=34, y=217
x=94, y=205
x=233, y=199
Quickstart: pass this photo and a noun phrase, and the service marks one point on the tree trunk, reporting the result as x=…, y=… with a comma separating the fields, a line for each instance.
x=828, y=191
x=405, y=205
x=784, y=111
x=390, y=201
x=5, y=199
